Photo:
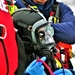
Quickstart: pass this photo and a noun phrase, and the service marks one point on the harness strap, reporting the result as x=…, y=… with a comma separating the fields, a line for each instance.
x=26, y=4
x=21, y=24
x=56, y=15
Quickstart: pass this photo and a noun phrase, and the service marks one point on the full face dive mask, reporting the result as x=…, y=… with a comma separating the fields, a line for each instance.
x=34, y=29
x=41, y=35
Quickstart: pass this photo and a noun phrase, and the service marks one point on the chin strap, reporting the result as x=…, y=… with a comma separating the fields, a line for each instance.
x=47, y=67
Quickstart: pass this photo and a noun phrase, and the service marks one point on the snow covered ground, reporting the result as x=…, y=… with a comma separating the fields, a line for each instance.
x=73, y=8
x=70, y=3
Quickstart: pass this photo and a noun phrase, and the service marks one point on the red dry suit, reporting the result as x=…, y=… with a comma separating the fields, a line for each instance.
x=66, y=50
x=8, y=46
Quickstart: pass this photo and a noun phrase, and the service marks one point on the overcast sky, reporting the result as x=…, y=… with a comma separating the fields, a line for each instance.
x=70, y=3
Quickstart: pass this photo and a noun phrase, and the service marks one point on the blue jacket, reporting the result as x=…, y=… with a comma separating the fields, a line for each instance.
x=65, y=30
x=19, y=4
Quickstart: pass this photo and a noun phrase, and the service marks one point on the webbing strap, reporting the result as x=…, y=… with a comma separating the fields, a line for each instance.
x=21, y=24
x=56, y=9
x=0, y=30
x=26, y=4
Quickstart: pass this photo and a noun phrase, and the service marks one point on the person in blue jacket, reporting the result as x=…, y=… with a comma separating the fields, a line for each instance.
x=64, y=31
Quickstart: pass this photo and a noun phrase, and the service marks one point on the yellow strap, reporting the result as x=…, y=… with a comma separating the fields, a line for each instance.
x=12, y=8
x=35, y=7
x=58, y=63
x=56, y=20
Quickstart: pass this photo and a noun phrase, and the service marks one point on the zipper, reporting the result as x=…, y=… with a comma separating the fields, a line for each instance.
x=5, y=56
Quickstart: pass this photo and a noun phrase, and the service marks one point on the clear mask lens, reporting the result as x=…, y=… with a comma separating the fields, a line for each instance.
x=45, y=35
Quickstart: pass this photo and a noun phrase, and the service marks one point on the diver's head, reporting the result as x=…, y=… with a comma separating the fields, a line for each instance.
x=34, y=28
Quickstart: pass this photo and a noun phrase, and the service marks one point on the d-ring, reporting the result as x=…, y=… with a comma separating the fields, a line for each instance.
x=5, y=32
x=30, y=28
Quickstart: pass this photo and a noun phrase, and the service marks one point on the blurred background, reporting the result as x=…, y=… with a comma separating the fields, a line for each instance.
x=70, y=3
